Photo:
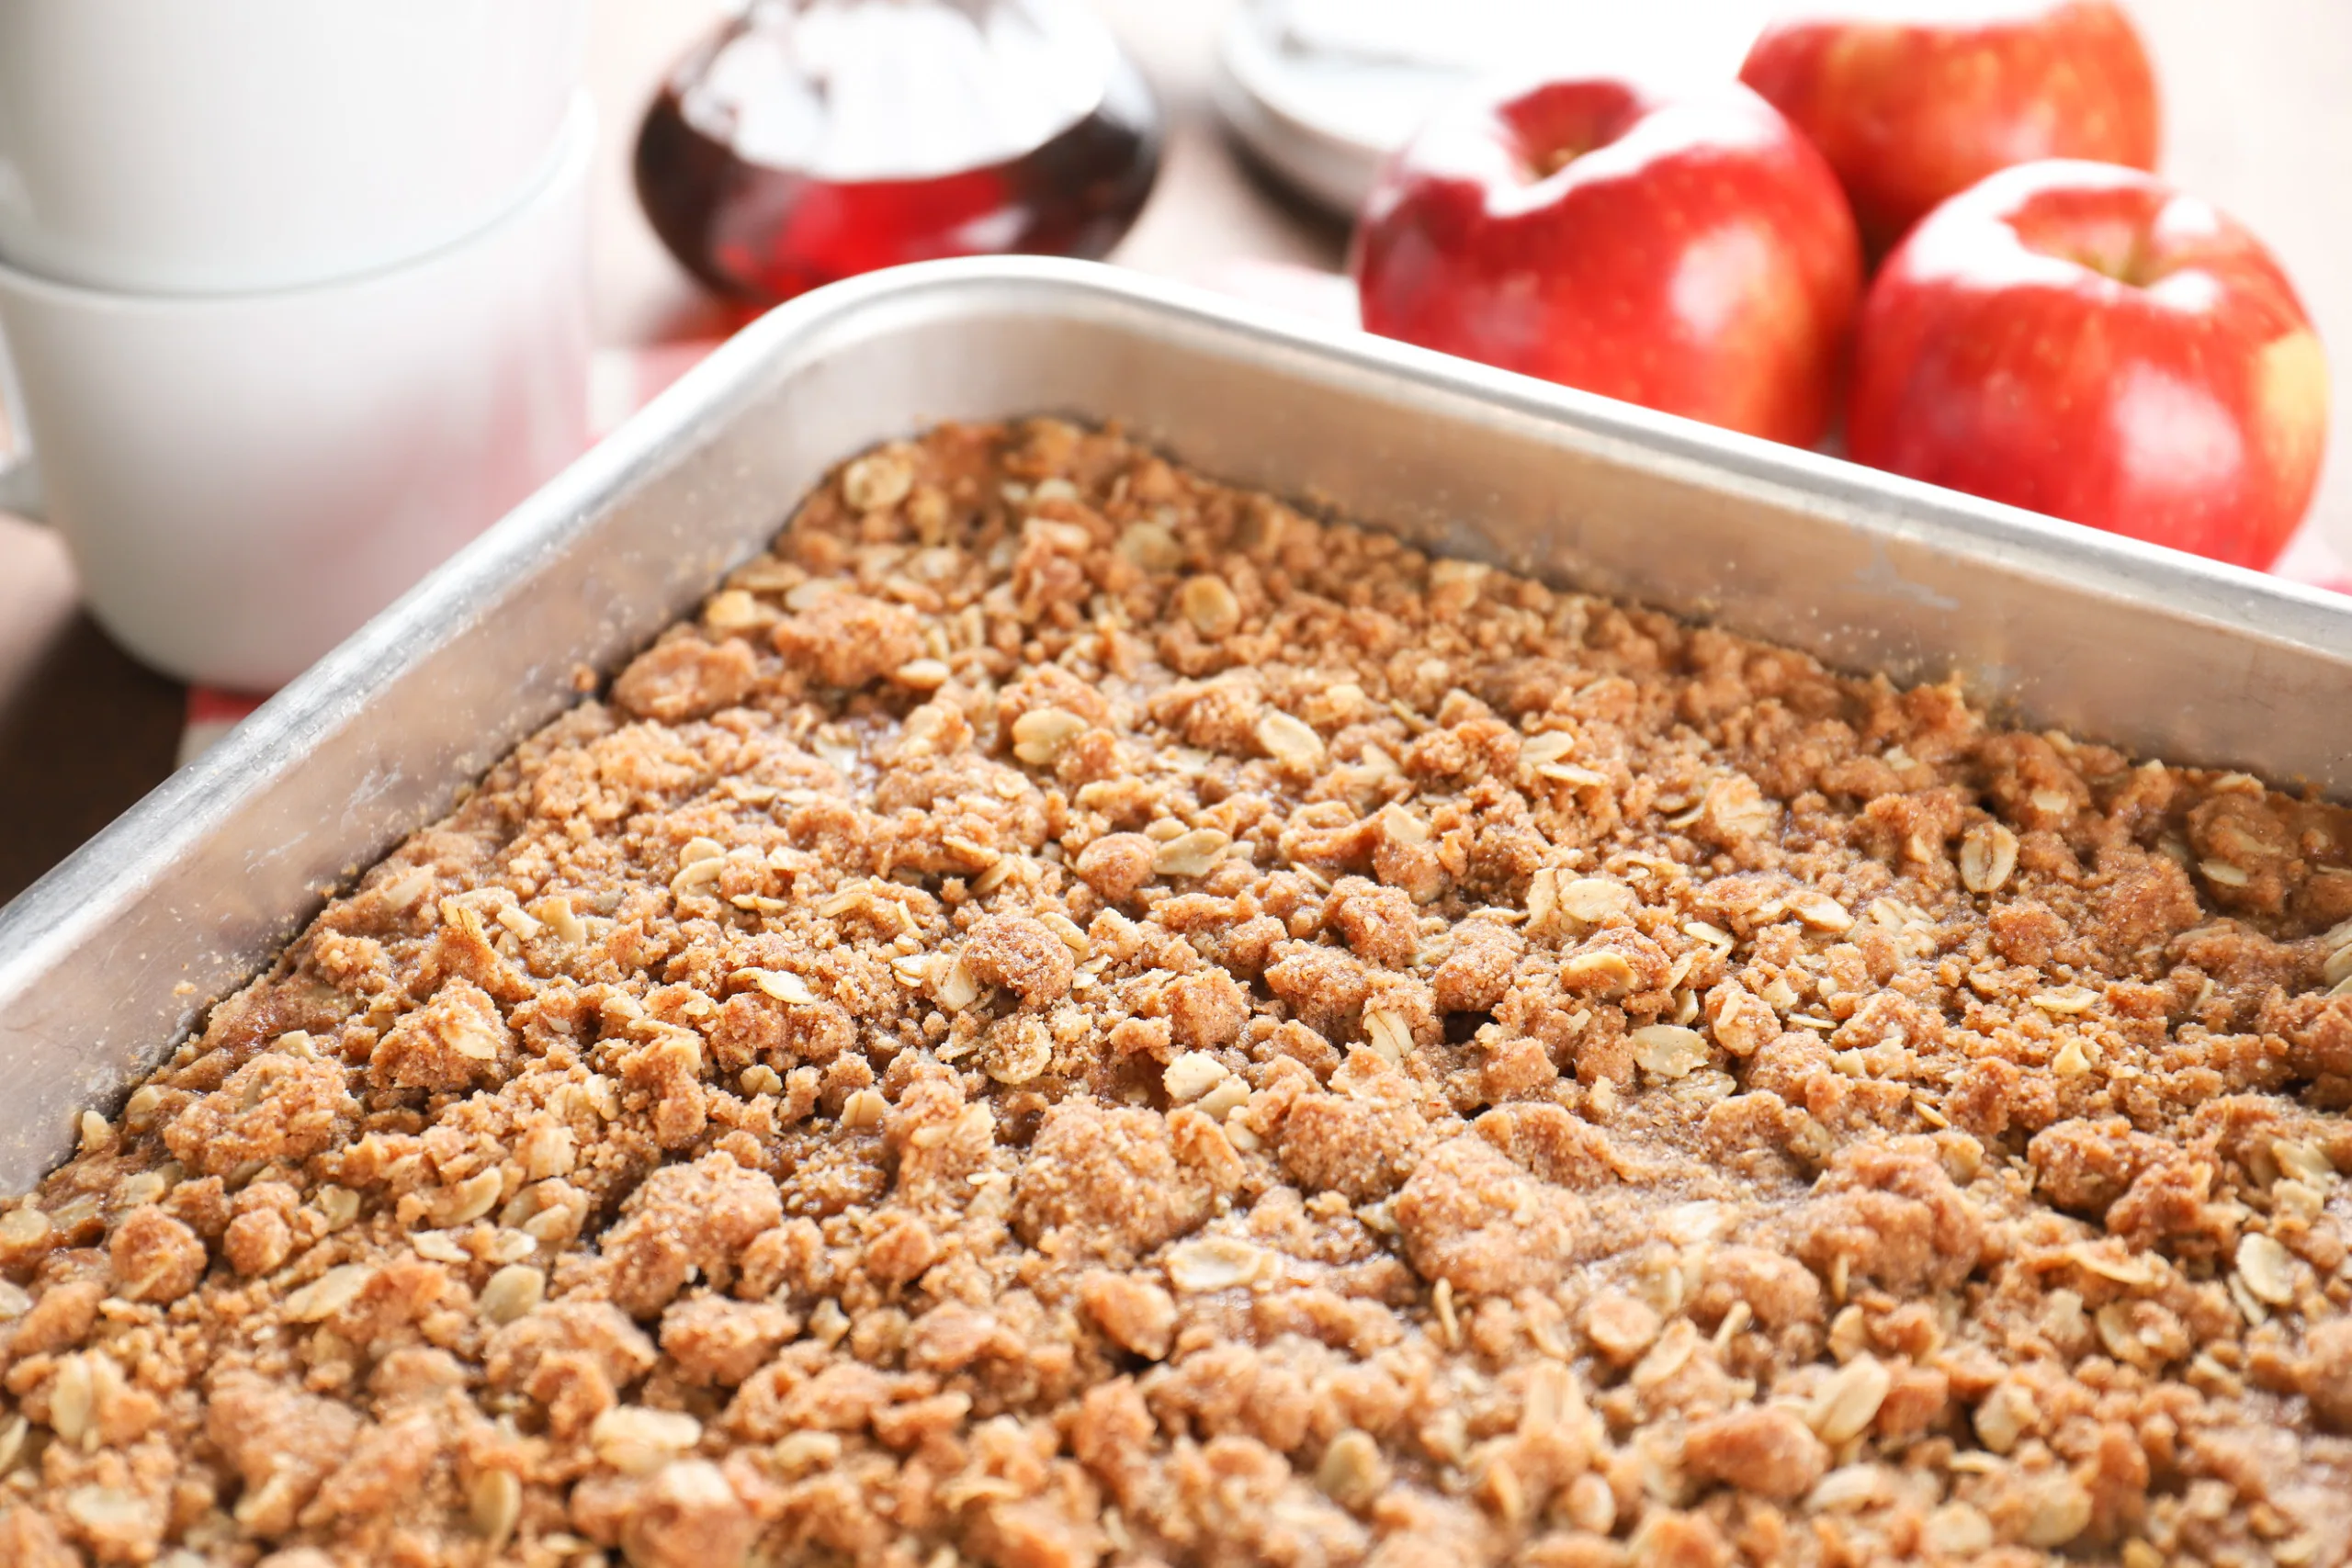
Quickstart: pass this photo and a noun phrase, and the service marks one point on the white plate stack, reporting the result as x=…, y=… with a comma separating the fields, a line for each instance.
x=294, y=301
x=1323, y=91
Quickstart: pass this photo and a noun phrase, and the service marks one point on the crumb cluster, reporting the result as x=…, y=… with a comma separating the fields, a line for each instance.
x=1077, y=1016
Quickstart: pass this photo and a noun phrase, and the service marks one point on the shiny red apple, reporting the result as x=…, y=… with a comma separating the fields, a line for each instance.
x=1689, y=253
x=2088, y=342
x=1915, y=100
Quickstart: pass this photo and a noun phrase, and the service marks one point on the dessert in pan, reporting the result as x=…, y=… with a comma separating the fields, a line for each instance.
x=1077, y=1014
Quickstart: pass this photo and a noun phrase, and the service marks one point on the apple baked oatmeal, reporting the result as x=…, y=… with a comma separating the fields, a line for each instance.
x=1077, y=1015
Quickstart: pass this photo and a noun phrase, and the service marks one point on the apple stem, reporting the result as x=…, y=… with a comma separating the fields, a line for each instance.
x=2135, y=268
x=1558, y=158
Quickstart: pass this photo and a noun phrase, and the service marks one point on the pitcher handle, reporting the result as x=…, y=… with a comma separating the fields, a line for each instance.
x=19, y=476
x=20, y=490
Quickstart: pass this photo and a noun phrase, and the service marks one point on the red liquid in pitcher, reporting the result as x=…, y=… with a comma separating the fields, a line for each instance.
x=759, y=230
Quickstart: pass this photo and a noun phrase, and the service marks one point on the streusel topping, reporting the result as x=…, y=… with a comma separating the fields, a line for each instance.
x=1076, y=1015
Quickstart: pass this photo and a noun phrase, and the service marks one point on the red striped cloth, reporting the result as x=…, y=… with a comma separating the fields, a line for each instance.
x=623, y=381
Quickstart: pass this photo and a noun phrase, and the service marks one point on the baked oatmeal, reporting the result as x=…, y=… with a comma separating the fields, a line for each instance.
x=1076, y=1015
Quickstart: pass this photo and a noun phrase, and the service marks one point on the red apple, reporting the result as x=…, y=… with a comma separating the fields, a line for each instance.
x=2085, y=341
x=1915, y=100
x=1691, y=254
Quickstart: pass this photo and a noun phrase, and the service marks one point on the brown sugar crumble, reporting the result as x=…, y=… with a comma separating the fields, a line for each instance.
x=1077, y=1016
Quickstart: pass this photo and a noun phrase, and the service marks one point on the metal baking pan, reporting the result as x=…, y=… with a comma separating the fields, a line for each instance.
x=107, y=961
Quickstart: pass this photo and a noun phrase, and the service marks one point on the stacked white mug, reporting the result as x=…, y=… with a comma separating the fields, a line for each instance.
x=293, y=302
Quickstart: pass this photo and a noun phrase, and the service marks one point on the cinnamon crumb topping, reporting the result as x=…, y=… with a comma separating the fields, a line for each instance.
x=1076, y=1015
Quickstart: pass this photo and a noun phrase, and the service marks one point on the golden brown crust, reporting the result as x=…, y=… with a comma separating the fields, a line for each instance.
x=1076, y=1015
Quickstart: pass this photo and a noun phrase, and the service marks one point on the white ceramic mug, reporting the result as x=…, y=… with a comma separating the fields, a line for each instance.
x=243, y=480
x=220, y=146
